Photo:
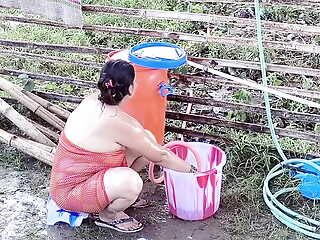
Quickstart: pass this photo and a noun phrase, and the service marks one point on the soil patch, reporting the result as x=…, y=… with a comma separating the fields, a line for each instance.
x=23, y=215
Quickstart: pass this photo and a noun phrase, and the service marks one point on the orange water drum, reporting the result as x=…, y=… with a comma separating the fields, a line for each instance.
x=148, y=103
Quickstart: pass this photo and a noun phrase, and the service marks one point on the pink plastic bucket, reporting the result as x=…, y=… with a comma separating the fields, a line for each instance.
x=195, y=196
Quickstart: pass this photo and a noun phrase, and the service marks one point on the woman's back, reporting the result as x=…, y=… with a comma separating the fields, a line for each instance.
x=91, y=124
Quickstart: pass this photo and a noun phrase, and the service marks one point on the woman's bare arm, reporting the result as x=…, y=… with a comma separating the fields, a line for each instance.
x=133, y=136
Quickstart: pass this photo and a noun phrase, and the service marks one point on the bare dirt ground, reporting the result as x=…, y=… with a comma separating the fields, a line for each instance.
x=23, y=215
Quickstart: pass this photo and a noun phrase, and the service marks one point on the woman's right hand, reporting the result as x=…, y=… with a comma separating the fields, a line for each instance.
x=193, y=169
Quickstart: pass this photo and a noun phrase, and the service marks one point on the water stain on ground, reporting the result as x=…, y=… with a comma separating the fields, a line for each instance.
x=23, y=216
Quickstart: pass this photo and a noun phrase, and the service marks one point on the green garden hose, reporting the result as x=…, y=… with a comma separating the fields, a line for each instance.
x=288, y=217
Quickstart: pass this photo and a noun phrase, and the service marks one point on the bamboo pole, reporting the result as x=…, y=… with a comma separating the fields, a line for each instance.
x=255, y=85
x=212, y=102
x=48, y=132
x=289, y=46
x=26, y=146
x=241, y=125
x=288, y=115
x=315, y=95
x=193, y=133
x=42, y=146
x=229, y=83
x=31, y=104
x=23, y=124
x=55, y=47
x=222, y=122
x=227, y=140
x=51, y=78
x=202, y=17
x=180, y=77
x=60, y=97
x=226, y=106
x=299, y=4
x=46, y=58
x=206, y=61
x=219, y=63
x=48, y=105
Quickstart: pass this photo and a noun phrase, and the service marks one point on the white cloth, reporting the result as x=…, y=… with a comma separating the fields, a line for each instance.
x=56, y=214
x=67, y=10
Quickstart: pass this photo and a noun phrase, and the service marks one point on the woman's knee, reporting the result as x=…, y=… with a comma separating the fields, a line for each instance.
x=122, y=182
x=133, y=182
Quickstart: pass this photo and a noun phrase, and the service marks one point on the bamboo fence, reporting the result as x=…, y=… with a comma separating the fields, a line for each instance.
x=215, y=121
x=218, y=63
x=293, y=3
x=236, y=41
x=204, y=18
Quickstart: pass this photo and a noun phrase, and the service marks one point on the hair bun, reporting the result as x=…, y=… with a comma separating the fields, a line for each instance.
x=116, y=77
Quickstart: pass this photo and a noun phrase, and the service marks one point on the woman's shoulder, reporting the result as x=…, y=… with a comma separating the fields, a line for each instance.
x=126, y=118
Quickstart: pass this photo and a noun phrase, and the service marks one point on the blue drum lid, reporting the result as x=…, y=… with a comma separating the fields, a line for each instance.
x=158, y=55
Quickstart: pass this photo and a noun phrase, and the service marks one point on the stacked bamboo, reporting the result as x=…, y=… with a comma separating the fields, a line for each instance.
x=43, y=140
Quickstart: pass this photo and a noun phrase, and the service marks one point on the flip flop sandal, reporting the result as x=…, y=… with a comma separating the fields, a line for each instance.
x=139, y=203
x=113, y=225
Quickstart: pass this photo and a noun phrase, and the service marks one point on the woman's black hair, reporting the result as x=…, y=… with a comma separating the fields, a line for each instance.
x=116, y=77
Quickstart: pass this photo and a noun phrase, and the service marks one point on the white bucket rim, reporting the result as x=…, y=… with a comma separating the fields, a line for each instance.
x=216, y=169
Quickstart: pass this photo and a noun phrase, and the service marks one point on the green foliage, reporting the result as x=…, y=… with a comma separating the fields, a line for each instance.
x=196, y=8
x=29, y=86
x=9, y=157
x=275, y=80
x=307, y=83
x=237, y=116
x=243, y=96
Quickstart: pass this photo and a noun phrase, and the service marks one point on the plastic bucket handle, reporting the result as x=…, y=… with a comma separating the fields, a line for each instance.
x=171, y=145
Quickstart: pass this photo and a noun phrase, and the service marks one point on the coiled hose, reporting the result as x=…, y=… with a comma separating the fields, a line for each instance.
x=291, y=219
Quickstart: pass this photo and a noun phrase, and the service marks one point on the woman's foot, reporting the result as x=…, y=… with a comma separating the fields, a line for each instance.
x=121, y=222
x=139, y=203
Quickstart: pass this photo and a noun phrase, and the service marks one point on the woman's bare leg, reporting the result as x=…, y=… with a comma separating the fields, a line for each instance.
x=123, y=186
